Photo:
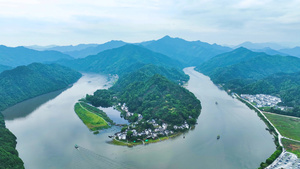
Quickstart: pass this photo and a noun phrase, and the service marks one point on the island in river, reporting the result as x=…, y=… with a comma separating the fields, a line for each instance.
x=156, y=107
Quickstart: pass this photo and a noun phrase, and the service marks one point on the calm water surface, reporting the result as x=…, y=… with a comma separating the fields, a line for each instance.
x=47, y=135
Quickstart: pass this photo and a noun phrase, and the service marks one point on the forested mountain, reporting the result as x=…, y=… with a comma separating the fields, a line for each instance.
x=9, y=156
x=152, y=95
x=23, y=56
x=251, y=45
x=270, y=51
x=24, y=82
x=93, y=50
x=190, y=53
x=121, y=60
x=293, y=51
x=3, y=67
x=284, y=85
x=245, y=64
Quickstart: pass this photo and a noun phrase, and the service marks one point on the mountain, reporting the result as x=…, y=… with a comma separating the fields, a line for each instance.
x=24, y=82
x=23, y=56
x=245, y=64
x=70, y=48
x=270, y=51
x=121, y=60
x=3, y=67
x=293, y=51
x=250, y=45
x=284, y=85
x=95, y=49
x=188, y=52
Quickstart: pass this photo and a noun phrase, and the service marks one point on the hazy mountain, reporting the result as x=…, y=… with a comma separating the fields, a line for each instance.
x=120, y=60
x=39, y=48
x=188, y=52
x=3, y=67
x=270, y=51
x=245, y=64
x=93, y=50
x=250, y=45
x=70, y=48
x=23, y=56
x=292, y=51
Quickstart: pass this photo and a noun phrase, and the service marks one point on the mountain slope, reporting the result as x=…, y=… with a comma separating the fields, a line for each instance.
x=245, y=64
x=293, y=51
x=25, y=82
x=189, y=53
x=22, y=56
x=121, y=60
x=3, y=67
x=93, y=50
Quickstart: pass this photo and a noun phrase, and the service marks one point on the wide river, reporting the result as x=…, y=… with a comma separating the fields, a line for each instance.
x=48, y=131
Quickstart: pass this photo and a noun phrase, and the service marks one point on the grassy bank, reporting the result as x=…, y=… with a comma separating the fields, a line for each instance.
x=91, y=118
x=291, y=146
x=287, y=126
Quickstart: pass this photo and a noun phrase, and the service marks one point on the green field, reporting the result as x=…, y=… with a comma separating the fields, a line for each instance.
x=291, y=146
x=287, y=126
x=92, y=120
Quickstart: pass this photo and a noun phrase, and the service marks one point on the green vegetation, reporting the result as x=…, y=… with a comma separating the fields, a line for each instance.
x=287, y=126
x=152, y=96
x=22, y=83
x=291, y=146
x=3, y=67
x=247, y=65
x=91, y=117
x=121, y=60
x=9, y=157
x=25, y=82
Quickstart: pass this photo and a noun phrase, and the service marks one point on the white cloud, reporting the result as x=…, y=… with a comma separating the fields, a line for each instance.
x=86, y=21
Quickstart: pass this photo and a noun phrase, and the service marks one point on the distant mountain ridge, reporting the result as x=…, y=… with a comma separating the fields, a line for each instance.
x=293, y=51
x=251, y=45
x=245, y=64
x=93, y=50
x=190, y=53
x=121, y=60
x=3, y=67
x=23, y=56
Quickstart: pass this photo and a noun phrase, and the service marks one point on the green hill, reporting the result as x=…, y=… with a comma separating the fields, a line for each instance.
x=121, y=60
x=152, y=95
x=3, y=67
x=22, y=83
x=245, y=64
x=25, y=82
x=190, y=53
x=23, y=56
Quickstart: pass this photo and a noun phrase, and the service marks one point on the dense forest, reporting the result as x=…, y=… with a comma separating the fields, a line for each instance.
x=284, y=85
x=121, y=60
x=22, y=83
x=26, y=82
x=245, y=64
x=152, y=95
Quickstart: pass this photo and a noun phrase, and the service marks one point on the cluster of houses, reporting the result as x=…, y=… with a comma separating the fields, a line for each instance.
x=262, y=100
x=159, y=130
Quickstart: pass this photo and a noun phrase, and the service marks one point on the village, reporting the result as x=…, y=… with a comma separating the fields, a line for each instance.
x=262, y=100
x=158, y=131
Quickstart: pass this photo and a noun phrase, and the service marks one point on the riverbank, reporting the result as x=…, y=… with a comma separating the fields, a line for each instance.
x=143, y=142
x=277, y=136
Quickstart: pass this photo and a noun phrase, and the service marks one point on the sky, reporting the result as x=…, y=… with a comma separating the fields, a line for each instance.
x=72, y=22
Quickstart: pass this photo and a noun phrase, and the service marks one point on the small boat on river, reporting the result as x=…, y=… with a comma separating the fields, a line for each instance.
x=218, y=137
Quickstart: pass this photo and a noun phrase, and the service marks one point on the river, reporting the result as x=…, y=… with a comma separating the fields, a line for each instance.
x=47, y=135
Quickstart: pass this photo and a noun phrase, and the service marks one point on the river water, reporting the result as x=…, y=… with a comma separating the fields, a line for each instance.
x=47, y=135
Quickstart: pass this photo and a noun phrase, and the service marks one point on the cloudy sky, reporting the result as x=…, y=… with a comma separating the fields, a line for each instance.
x=65, y=22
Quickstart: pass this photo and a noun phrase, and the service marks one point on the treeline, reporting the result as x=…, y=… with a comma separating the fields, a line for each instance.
x=22, y=83
x=152, y=95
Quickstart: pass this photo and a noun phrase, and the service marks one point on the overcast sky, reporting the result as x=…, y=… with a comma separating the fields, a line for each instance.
x=65, y=22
